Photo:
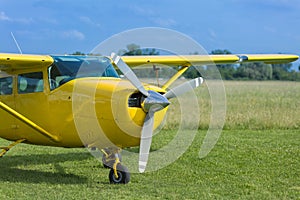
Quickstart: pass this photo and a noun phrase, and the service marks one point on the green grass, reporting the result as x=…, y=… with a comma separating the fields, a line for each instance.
x=262, y=105
x=250, y=105
x=257, y=157
x=243, y=165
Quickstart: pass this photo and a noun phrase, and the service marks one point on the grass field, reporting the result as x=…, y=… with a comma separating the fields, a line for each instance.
x=257, y=157
x=254, y=105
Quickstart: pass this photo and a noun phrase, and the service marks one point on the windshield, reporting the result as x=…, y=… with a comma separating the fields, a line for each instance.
x=66, y=68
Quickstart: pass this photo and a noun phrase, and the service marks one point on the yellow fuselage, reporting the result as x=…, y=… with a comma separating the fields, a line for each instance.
x=87, y=111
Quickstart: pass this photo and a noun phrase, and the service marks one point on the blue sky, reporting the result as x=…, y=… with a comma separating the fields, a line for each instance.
x=242, y=26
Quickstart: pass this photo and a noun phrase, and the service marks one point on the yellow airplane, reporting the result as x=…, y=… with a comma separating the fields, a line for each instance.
x=44, y=97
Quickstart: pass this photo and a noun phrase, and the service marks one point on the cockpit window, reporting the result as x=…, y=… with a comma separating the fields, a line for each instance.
x=66, y=68
x=6, y=85
x=30, y=82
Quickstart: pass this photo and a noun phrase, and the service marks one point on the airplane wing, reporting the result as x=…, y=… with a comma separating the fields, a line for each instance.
x=195, y=60
x=23, y=61
x=187, y=60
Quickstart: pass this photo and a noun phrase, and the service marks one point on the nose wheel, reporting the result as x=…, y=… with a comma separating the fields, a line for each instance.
x=122, y=175
x=118, y=173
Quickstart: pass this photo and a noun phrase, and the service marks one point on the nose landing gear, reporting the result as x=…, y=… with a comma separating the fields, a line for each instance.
x=118, y=174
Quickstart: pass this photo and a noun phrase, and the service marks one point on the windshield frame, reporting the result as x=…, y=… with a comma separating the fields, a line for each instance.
x=67, y=68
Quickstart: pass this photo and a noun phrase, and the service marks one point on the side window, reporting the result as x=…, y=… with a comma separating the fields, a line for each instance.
x=58, y=76
x=6, y=85
x=52, y=76
x=30, y=82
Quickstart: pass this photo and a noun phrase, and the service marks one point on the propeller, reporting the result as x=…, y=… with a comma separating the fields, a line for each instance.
x=152, y=103
x=183, y=88
x=129, y=74
x=146, y=140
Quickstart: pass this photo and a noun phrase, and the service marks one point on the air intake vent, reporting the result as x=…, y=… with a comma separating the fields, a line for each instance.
x=135, y=100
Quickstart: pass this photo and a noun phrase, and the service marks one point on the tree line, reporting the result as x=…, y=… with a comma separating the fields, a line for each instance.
x=242, y=71
x=257, y=70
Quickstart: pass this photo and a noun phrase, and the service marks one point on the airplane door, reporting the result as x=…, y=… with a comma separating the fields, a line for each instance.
x=7, y=121
x=31, y=102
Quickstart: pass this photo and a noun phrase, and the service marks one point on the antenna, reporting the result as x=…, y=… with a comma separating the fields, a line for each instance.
x=12, y=35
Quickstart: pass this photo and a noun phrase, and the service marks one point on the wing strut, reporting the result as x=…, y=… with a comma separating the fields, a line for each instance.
x=175, y=77
x=6, y=149
x=30, y=123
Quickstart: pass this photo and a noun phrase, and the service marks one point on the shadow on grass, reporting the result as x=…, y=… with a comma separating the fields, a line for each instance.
x=11, y=171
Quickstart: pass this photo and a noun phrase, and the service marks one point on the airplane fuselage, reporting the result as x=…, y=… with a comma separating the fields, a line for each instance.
x=82, y=109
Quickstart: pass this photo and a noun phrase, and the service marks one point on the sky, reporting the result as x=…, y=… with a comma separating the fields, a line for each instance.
x=66, y=26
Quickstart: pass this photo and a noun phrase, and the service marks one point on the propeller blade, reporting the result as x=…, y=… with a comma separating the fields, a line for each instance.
x=183, y=88
x=128, y=73
x=146, y=139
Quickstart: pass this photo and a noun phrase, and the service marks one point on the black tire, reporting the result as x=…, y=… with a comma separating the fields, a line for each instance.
x=123, y=175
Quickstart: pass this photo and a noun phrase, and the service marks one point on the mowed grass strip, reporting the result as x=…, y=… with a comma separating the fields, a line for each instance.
x=243, y=165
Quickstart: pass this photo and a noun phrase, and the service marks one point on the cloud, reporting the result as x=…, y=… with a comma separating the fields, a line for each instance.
x=4, y=17
x=287, y=3
x=273, y=5
x=48, y=20
x=142, y=11
x=73, y=34
x=152, y=16
x=270, y=29
x=164, y=22
x=212, y=34
x=88, y=21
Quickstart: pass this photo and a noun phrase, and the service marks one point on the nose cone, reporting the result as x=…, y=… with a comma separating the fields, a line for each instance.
x=155, y=101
